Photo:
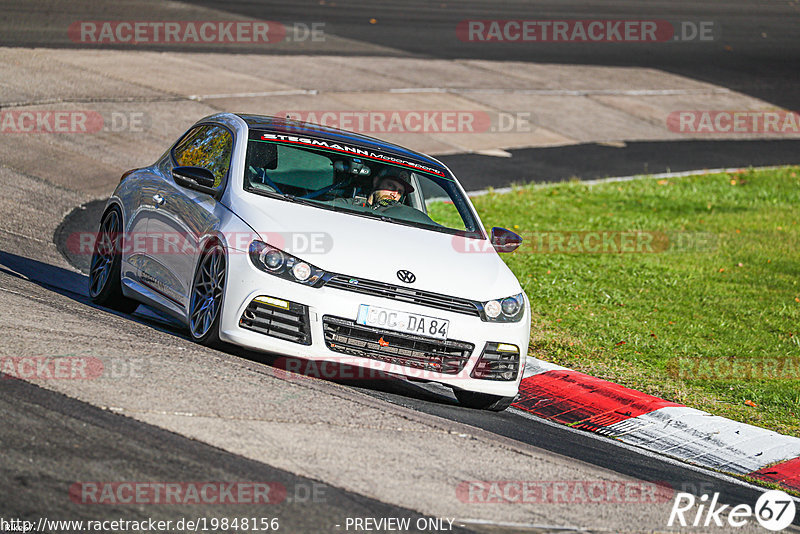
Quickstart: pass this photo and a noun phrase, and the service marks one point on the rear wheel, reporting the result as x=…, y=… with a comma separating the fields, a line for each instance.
x=205, y=305
x=482, y=401
x=105, y=284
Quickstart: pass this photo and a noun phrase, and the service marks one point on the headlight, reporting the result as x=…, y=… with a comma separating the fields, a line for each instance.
x=272, y=258
x=506, y=310
x=510, y=306
x=275, y=261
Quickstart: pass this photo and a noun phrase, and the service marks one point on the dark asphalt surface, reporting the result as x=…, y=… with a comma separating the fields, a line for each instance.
x=591, y=161
x=50, y=442
x=755, y=50
x=756, y=46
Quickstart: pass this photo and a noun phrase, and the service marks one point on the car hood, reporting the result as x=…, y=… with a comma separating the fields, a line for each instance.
x=370, y=248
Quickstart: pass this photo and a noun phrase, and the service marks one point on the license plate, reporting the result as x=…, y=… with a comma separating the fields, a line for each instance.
x=409, y=323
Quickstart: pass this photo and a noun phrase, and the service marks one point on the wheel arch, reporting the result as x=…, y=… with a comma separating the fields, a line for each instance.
x=205, y=245
x=208, y=242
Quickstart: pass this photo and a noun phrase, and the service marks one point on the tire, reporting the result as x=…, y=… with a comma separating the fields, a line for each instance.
x=105, y=284
x=208, y=289
x=482, y=401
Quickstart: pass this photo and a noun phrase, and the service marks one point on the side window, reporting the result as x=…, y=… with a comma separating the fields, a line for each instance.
x=209, y=147
x=440, y=205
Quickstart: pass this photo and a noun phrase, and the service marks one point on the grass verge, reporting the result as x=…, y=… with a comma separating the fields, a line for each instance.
x=684, y=288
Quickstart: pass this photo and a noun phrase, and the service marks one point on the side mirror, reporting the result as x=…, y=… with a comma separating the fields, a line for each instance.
x=196, y=178
x=505, y=240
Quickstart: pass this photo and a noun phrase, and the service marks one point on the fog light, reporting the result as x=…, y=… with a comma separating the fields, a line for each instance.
x=492, y=309
x=301, y=271
x=272, y=301
x=499, y=361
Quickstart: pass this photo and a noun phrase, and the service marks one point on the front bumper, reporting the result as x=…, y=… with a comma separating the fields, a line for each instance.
x=326, y=307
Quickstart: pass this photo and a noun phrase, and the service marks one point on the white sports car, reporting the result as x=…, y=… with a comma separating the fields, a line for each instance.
x=317, y=243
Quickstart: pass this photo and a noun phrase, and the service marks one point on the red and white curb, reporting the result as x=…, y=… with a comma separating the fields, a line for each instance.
x=588, y=403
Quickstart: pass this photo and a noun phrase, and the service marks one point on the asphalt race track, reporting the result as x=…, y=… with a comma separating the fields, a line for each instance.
x=758, y=50
x=597, y=161
x=169, y=410
x=760, y=55
x=755, y=51
x=63, y=435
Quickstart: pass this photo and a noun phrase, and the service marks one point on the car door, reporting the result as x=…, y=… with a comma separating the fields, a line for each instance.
x=133, y=193
x=184, y=217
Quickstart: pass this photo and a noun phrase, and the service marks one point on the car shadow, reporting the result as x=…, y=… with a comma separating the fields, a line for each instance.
x=74, y=285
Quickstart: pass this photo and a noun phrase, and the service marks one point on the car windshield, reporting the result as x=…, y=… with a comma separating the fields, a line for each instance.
x=357, y=180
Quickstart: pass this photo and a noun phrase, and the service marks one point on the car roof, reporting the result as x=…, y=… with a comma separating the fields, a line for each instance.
x=289, y=126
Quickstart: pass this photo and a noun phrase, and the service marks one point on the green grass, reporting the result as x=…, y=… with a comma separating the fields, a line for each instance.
x=634, y=318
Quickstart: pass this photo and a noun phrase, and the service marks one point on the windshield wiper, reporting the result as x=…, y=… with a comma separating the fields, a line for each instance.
x=291, y=198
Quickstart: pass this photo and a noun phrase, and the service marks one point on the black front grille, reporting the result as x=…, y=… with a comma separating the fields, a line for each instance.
x=404, y=294
x=291, y=324
x=495, y=364
x=441, y=356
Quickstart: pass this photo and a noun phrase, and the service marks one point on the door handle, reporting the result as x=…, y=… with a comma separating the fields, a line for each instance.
x=159, y=199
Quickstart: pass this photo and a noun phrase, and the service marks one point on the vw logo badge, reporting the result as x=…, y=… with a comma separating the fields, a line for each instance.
x=406, y=276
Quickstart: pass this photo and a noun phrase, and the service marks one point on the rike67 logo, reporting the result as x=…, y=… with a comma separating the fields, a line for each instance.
x=774, y=510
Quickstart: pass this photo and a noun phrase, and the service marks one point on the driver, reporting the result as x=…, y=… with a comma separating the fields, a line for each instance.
x=389, y=188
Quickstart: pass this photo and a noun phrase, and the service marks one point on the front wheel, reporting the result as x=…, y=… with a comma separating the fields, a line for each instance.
x=205, y=305
x=105, y=284
x=482, y=401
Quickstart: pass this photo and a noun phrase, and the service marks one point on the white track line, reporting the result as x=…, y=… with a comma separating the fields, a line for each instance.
x=562, y=92
x=287, y=92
